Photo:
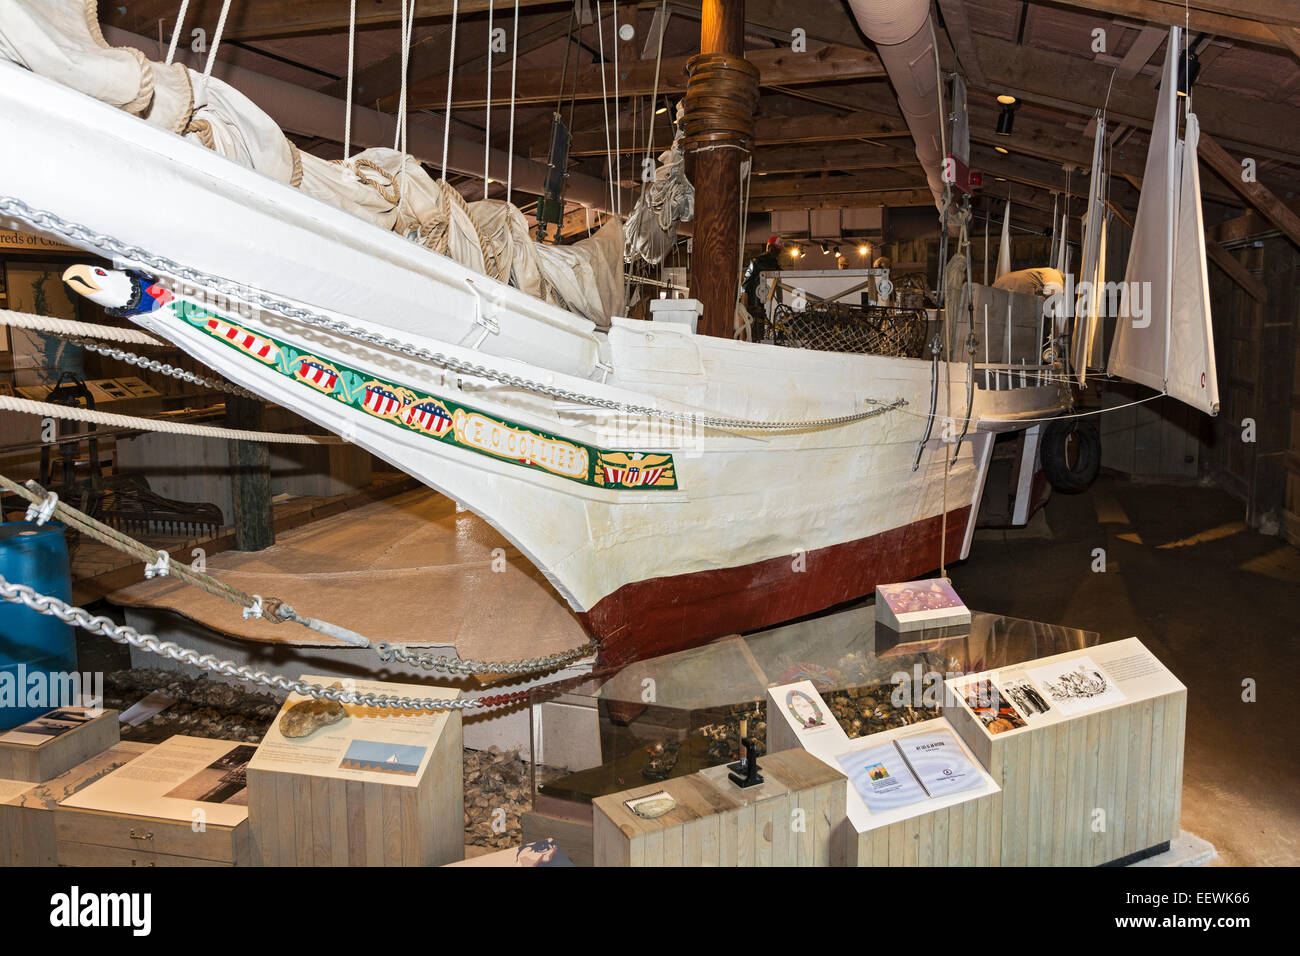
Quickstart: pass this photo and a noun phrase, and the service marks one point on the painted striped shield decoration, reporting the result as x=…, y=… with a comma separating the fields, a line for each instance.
x=317, y=375
x=430, y=417
x=613, y=476
x=380, y=401
x=244, y=340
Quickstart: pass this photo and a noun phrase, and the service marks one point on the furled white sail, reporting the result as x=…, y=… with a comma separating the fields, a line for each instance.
x=1163, y=336
x=61, y=39
x=1004, y=247
x=1087, y=305
x=1139, y=350
x=1192, y=377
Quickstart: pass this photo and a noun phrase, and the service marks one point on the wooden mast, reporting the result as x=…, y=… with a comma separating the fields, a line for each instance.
x=719, y=105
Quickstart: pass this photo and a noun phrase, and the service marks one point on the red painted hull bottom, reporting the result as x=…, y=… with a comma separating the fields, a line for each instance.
x=661, y=615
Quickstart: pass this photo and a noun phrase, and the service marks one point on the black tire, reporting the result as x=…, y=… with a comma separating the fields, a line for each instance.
x=1071, y=454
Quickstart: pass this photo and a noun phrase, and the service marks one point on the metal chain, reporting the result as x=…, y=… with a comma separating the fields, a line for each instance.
x=124, y=634
x=391, y=652
x=273, y=609
x=161, y=367
x=79, y=234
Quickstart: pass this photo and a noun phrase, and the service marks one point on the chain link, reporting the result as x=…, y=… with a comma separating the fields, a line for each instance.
x=160, y=367
x=51, y=223
x=392, y=652
x=124, y=634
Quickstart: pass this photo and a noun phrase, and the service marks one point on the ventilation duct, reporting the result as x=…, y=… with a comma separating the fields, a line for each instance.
x=904, y=37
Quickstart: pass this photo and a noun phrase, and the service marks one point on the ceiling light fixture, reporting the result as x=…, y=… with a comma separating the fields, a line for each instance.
x=1001, y=149
x=863, y=249
x=1188, y=69
x=1006, y=119
x=1006, y=99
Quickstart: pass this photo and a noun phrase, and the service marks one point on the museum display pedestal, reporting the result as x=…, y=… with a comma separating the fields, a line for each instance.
x=181, y=803
x=48, y=746
x=27, y=832
x=957, y=828
x=374, y=788
x=788, y=820
x=1091, y=775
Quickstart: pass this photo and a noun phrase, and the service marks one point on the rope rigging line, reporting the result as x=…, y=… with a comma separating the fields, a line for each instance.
x=26, y=406
x=487, y=114
x=352, y=58
x=618, y=155
x=604, y=107
x=45, y=505
x=78, y=234
x=451, y=74
x=216, y=39
x=45, y=323
x=654, y=97
x=176, y=32
x=514, y=69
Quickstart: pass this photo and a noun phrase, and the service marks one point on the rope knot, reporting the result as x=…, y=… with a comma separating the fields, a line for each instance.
x=255, y=609
x=42, y=511
x=160, y=567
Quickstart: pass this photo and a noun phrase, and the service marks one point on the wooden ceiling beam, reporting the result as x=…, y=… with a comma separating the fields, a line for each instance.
x=898, y=198
x=776, y=67
x=841, y=156
x=1247, y=27
x=1077, y=85
x=957, y=21
x=1263, y=199
x=429, y=57
x=768, y=131
x=1235, y=271
x=880, y=181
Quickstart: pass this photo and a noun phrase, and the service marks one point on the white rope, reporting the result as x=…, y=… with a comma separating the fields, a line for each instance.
x=654, y=99
x=487, y=117
x=451, y=72
x=352, y=58
x=514, y=69
x=43, y=323
x=216, y=39
x=25, y=406
x=176, y=31
x=618, y=155
x=399, y=133
x=604, y=106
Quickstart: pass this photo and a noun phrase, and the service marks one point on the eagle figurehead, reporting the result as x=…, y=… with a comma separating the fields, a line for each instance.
x=121, y=293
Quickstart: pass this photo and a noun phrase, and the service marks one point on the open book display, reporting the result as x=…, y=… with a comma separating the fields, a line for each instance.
x=893, y=775
x=909, y=769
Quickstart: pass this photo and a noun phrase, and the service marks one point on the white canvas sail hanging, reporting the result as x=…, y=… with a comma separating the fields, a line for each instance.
x=1191, y=375
x=1103, y=303
x=1004, y=247
x=1056, y=233
x=1139, y=349
x=1086, y=307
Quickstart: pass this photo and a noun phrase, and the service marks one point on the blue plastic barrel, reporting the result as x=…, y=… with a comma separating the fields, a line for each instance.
x=37, y=556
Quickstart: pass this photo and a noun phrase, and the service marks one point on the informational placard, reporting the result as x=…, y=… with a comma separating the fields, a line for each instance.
x=1019, y=698
x=48, y=726
x=367, y=743
x=803, y=709
x=183, y=778
x=917, y=605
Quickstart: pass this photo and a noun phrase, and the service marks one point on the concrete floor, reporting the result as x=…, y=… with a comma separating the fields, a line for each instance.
x=1214, y=600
